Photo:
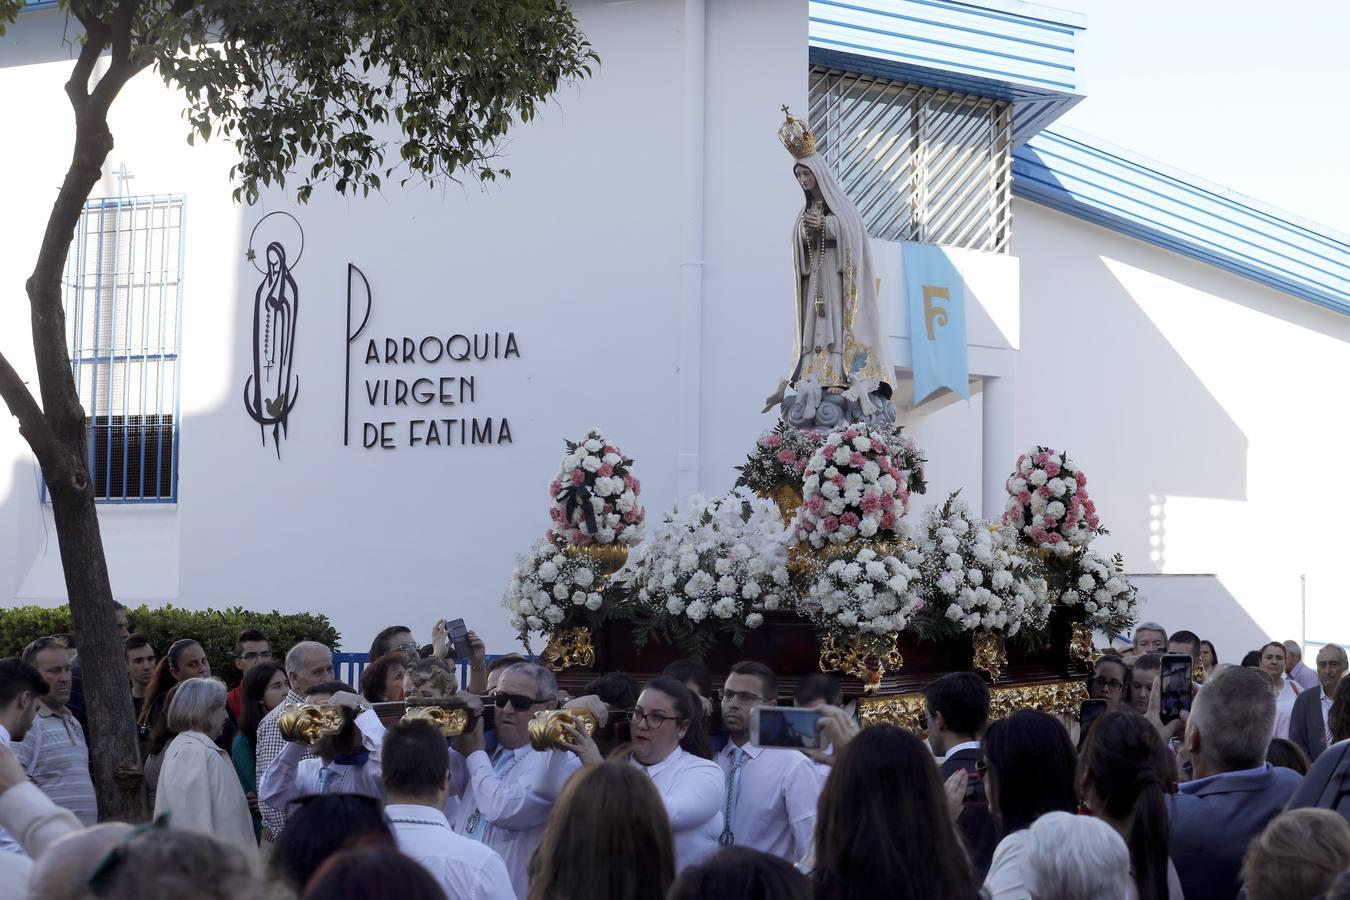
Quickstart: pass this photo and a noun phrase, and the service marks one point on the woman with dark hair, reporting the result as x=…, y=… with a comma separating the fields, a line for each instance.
x=160, y=737
x=739, y=873
x=322, y=826
x=1209, y=658
x=1110, y=679
x=382, y=681
x=631, y=858
x=1252, y=659
x=372, y=873
x=185, y=659
x=884, y=828
x=1123, y=774
x=1286, y=689
x=669, y=744
x=1031, y=764
x=1285, y=754
x=695, y=675
x=264, y=688
x=1143, y=674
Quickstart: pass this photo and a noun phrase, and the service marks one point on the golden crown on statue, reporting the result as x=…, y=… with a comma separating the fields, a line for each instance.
x=797, y=136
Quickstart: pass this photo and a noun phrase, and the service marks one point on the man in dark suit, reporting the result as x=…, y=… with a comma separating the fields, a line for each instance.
x=1235, y=792
x=958, y=707
x=1308, y=720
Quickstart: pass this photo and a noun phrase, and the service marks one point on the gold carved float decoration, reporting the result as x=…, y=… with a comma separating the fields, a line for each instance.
x=1060, y=698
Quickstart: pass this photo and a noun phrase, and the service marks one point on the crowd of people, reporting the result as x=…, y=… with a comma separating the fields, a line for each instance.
x=1245, y=793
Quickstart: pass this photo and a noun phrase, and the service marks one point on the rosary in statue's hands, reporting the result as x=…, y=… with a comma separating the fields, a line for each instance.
x=815, y=218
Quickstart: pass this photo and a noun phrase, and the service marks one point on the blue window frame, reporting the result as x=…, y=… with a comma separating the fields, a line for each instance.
x=123, y=299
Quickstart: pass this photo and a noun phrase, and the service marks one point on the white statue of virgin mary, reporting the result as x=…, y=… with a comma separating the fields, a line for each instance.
x=840, y=347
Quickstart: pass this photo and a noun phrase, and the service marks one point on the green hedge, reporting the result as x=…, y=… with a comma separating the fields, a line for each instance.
x=213, y=629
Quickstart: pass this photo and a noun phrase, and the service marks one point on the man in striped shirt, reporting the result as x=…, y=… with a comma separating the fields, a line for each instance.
x=54, y=751
x=308, y=663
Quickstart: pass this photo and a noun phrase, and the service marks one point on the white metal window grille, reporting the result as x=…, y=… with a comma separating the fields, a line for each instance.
x=123, y=300
x=920, y=163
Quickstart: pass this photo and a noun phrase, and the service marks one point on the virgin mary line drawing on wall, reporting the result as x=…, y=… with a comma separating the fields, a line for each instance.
x=272, y=389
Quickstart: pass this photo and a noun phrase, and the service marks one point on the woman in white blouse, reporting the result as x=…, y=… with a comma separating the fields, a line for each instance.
x=197, y=784
x=670, y=745
x=1286, y=689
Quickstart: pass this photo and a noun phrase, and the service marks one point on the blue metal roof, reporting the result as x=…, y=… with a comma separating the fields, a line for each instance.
x=1088, y=178
x=1020, y=52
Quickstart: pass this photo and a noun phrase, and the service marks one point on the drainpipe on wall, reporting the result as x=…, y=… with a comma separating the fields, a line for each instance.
x=690, y=319
x=998, y=442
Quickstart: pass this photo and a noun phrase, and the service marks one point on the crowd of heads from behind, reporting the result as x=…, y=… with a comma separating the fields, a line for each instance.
x=679, y=792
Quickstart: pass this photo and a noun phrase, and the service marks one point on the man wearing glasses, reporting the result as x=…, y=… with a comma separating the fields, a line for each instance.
x=771, y=793
x=250, y=648
x=500, y=803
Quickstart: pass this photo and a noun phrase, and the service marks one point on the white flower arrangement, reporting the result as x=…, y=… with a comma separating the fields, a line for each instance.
x=595, y=496
x=866, y=592
x=550, y=589
x=853, y=489
x=978, y=576
x=716, y=564
x=1048, y=503
x=1100, y=588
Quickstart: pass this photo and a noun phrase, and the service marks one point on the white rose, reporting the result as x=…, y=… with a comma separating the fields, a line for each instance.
x=1056, y=487
x=553, y=615
x=593, y=446
x=548, y=571
x=724, y=608
x=862, y=444
x=726, y=584
x=697, y=611
x=612, y=458
x=853, y=483
x=754, y=620
x=560, y=592
x=584, y=576
x=871, y=471
x=674, y=606
x=578, y=598
x=590, y=464
x=975, y=577
x=868, y=526
x=1037, y=478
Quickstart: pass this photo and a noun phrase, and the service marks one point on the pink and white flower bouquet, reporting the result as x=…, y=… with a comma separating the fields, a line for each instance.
x=853, y=489
x=779, y=459
x=979, y=576
x=1048, y=503
x=595, y=496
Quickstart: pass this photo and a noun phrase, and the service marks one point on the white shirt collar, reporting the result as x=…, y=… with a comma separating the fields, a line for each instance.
x=5, y=739
x=657, y=768
x=415, y=813
x=751, y=750
x=968, y=745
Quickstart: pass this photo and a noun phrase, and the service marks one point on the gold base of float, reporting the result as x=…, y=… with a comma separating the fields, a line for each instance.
x=1081, y=648
x=788, y=498
x=608, y=558
x=867, y=657
x=1060, y=698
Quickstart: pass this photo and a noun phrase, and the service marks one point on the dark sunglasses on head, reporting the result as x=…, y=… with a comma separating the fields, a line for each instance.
x=519, y=702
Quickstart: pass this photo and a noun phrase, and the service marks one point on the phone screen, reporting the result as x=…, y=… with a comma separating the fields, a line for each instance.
x=785, y=726
x=1088, y=712
x=1175, y=679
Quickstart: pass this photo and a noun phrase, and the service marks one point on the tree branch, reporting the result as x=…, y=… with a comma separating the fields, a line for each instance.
x=95, y=39
x=22, y=404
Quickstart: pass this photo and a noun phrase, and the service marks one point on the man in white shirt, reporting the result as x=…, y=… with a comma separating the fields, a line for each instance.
x=416, y=773
x=54, y=751
x=344, y=763
x=499, y=804
x=771, y=792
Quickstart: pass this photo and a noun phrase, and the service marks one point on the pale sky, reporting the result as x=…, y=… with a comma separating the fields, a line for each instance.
x=1254, y=96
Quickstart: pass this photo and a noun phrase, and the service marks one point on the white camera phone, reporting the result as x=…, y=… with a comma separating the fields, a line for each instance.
x=784, y=726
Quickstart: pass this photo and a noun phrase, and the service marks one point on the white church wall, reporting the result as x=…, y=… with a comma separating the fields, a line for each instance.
x=578, y=255
x=1206, y=410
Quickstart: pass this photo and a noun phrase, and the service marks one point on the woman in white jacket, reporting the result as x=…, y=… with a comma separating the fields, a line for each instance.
x=197, y=785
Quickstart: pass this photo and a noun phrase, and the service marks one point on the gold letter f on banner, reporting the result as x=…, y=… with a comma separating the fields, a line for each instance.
x=933, y=313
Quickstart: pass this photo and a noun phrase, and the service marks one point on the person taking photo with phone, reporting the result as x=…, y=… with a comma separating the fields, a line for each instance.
x=771, y=792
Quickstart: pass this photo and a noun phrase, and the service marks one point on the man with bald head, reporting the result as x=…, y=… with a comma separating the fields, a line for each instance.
x=308, y=664
x=1308, y=719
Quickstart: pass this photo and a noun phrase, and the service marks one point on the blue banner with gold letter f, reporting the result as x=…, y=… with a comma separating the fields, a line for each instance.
x=937, y=321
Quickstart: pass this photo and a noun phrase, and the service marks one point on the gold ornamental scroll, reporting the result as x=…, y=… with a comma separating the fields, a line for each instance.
x=866, y=656
x=1081, y=649
x=569, y=648
x=1060, y=698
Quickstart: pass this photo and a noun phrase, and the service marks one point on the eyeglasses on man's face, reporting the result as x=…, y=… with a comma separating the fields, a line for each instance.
x=1102, y=683
x=407, y=647
x=251, y=655
x=740, y=697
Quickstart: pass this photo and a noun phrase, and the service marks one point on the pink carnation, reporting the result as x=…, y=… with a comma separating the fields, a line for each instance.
x=815, y=504
x=850, y=519
x=831, y=523
x=555, y=514
x=1081, y=478
x=1024, y=497
x=870, y=503
x=1039, y=535
x=856, y=460
x=850, y=434
x=799, y=466
x=578, y=476
x=888, y=521
x=1043, y=491
x=1093, y=521
x=785, y=457
x=770, y=441
x=605, y=470
x=828, y=453
x=1052, y=469
x=1054, y=538
x=554, y=487
x=580, y=537
x=838, y=481
x=1014, y=512
x=608, y=450
x=1042, y=457
x=1048, y=521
